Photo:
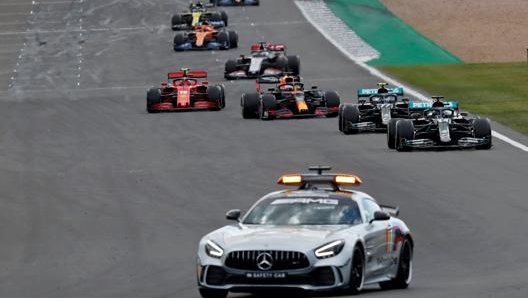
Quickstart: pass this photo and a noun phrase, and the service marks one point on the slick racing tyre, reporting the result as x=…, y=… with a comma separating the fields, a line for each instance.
x=282, y=63
x=224, y=17
x=222, y=90
x=391, y=133
x=250, y=105
x=404, y=131
x=294, y=64
x=268, y=102
x=212, y=293
x=404, y=274
x=350, y=115
x=222, y=38
x=482, y=129
x=357, y=271
x=332, y=101
x=214, y=94
x=216, y=17
x=340, y=118
x=230, y=66
x=176, y=20
x=153, y=97
x=233, y=39
x=179, y=39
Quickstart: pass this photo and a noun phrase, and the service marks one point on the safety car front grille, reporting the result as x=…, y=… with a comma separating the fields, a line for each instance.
x=279, y=259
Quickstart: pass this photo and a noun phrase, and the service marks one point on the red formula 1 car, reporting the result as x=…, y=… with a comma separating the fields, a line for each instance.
x=183, y=92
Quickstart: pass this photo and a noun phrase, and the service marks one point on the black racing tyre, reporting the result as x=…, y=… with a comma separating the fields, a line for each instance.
x=268, y=101
x=282, y=63
x=230, y=66
x=222, y=37
x=404, y=274
x=294, y=64
x=222, y=90
x=391, y=133
x=176, y=20
x=404, y=130
x=213, y=293
x=332, y=101
x=357, y=271
x=250, y=105
x=214, y=93
x=340, y=118
x=224, y=17
x=233, y=39
x=350, y=114
x=179, y=39
x=153, y=97
x=215, y=17
x=482, y=129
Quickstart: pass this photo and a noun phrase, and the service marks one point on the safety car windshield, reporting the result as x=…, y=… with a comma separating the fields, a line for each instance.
x=304, y=211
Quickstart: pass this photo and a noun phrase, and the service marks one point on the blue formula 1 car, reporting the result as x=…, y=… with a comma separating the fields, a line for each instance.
x=235, y=2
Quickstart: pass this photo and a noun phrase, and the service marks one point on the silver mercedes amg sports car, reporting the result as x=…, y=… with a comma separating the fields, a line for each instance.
x=317, y=237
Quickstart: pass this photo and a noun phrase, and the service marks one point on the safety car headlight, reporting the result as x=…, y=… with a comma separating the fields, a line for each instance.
x=330, y=249
x=213, y=250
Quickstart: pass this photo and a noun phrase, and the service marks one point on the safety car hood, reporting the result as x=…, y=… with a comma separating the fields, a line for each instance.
x=275, y=237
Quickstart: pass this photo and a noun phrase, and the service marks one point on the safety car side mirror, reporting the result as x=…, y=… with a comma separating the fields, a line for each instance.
x=233, y=214
x=380, y=215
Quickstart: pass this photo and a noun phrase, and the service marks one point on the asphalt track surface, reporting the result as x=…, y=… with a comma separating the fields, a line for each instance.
x=100, y=199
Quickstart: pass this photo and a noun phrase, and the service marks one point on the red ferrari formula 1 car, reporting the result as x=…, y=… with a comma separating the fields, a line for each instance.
x=184, y=92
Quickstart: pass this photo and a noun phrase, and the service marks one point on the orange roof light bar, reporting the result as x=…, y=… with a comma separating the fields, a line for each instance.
x=347, y=179
x=290, y=179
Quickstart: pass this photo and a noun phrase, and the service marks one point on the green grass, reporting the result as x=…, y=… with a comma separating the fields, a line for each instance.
x=495, y=90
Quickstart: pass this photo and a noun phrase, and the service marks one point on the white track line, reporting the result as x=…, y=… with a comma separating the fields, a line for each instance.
x=307, y=8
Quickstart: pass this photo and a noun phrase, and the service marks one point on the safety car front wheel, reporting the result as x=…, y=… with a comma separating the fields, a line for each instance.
x=357, y=271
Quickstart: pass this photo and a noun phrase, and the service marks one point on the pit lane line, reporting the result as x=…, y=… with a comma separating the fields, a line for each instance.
x=310, y=14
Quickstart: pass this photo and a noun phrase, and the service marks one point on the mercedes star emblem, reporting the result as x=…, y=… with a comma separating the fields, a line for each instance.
x=264, y=261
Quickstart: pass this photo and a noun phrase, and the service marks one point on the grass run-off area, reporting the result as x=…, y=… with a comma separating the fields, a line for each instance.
x=498, y=91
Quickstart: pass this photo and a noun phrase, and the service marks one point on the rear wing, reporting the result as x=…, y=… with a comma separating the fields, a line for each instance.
x=369, y=92
x=269, y=47
x=415, y=106
x=196, y=74
x=391, y=210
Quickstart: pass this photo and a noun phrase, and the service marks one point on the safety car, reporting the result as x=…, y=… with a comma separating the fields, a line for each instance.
x=324, y=235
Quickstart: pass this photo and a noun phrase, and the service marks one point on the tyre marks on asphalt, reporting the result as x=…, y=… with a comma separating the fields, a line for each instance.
x=48, y=59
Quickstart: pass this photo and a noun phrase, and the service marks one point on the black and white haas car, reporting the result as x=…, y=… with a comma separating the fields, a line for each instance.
x=265, y=59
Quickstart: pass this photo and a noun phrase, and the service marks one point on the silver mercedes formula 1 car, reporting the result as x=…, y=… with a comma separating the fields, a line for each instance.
x=318, y=237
